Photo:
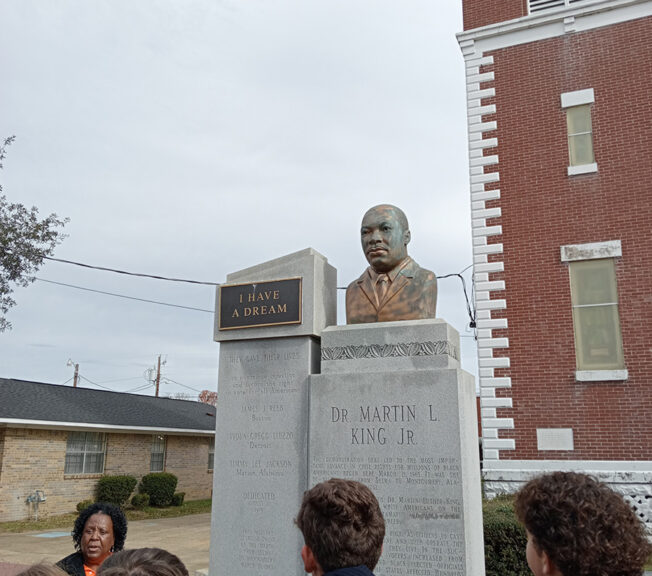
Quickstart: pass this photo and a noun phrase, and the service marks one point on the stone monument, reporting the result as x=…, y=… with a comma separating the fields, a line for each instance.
x=392, y=409
x=381, y=400
x=268, y=321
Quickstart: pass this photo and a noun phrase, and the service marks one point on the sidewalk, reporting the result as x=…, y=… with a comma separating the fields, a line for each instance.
x=187, y=536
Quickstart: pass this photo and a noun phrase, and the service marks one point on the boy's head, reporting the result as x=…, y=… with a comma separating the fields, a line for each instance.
x=578, y=526
x=342, y=526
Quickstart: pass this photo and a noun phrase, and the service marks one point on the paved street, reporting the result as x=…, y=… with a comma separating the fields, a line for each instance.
x=188, y=537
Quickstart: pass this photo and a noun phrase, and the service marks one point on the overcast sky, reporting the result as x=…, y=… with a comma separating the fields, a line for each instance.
x=194, y=138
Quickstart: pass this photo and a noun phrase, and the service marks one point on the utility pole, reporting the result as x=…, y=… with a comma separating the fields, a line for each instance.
x=76, y=377
x=158, y=374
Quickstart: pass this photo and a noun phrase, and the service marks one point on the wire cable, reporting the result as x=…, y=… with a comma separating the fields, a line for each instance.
x=124, y=296
x=141, y=275
x=139, y=388
x=96, y=384
x=180, y=384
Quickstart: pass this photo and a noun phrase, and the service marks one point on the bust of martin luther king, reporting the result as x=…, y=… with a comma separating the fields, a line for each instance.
x=393, y=287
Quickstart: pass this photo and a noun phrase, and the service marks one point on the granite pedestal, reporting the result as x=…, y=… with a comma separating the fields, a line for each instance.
x=392, y=409
x=261, y=463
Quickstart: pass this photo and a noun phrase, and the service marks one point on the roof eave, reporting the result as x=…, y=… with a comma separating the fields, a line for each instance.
x=88, y=426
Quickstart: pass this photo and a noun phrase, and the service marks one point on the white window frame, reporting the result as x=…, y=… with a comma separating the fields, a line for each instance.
x=571, y=100
x=80, y=444
x=535, y=6
x=594, y=251
x=211, y=454
x=156, y=453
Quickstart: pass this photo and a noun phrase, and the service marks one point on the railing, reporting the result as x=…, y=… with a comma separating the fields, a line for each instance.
x=541, y=5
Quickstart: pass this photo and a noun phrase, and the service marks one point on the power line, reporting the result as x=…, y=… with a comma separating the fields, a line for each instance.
x=179, y=383
x=121, y=379
x=142, y=275
x=124, y=296
x=470, y=310
x=139, y=388
x=96, y=384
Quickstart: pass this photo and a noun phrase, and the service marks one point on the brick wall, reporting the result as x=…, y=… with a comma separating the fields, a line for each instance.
x=479, y=13
x=35, y=459
x=2, y=446
x=128, y=454
x=189, y=462
x=542, y=209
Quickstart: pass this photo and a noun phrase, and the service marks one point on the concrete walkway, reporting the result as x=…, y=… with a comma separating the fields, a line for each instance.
x=187, y=536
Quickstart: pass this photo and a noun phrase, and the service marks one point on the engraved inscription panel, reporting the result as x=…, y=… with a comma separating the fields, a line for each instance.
x=397, y=433
x=260, y=454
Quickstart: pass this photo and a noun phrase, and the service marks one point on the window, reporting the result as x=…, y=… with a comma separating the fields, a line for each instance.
x=580, y=131
x=85, y=453
x=157, y=458
x=580, y=135
x=211, y=453
x=598, y=344
x=594, y=297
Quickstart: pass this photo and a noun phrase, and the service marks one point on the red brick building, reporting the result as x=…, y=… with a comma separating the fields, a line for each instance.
x=560, y=136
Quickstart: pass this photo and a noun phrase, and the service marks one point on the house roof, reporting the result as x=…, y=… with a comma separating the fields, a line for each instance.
x=39, y=404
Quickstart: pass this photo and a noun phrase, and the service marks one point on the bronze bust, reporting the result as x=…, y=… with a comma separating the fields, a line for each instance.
x=393, y=287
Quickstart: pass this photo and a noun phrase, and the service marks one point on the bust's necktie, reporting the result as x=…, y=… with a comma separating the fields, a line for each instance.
x=382, y=284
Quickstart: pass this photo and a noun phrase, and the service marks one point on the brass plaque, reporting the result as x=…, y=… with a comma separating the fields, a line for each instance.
x=259, y=304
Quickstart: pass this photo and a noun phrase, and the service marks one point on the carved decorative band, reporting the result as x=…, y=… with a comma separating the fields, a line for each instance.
x=390, y=350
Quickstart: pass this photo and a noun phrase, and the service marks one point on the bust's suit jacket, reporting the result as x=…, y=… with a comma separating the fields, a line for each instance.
x=411, y=296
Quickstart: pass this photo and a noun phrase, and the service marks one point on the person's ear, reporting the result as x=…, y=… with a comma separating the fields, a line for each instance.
x=309, y=562
x=406, y=237
x=548, y=567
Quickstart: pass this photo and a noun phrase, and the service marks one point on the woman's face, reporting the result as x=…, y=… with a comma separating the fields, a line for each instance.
x=97, y=539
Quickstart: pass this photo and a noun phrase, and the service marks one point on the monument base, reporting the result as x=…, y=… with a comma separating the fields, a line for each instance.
x=393, y=409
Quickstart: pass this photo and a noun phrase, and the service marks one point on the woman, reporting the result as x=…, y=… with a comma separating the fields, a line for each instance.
x=100, y=530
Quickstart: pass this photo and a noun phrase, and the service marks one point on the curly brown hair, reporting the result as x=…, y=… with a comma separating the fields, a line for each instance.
x=143, y=562
x=342, y=523
x=583, y=526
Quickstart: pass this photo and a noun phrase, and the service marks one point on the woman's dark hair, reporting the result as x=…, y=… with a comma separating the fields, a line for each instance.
x=582, y=525
x=117, y=518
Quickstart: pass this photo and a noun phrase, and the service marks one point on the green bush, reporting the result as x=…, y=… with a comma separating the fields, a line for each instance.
x=83, y=505
x=115, y=489
x=177, y=499
x=160, y=486
x=140, y=501
x=504, y=539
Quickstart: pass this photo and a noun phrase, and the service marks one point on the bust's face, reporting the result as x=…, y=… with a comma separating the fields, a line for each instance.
x=384, y=240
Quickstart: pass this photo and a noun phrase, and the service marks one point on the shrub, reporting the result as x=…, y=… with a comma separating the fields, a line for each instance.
x=177, y=499
x=115, y=489
x=160, y=486
x=504, y=539
x=83, y=505
x=139, y=501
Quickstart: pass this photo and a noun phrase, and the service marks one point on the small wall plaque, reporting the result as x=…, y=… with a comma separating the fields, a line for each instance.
x=257, y=304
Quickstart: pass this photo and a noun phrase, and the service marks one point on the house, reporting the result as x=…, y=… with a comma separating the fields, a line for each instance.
x=61, y=440
x=558, y=101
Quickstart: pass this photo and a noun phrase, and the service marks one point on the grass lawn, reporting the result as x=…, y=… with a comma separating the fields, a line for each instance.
x=67, y=520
